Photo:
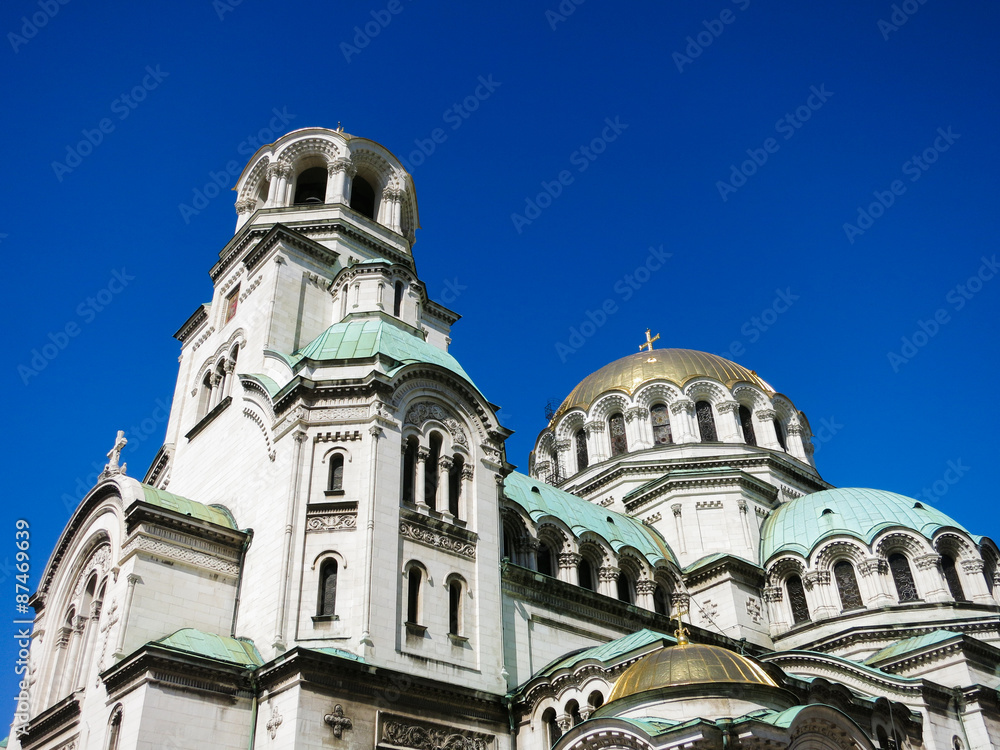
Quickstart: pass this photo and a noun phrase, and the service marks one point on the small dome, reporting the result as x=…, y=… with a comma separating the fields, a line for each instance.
x=801, y=524
x=675, y=365
x=689, y=664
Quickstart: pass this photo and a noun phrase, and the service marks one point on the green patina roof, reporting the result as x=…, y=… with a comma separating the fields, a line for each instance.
x=701, y=562
x=617, y=529
x=367, y=337
x=907, y=645
x=269, y=384
x=331, y=651
x=848, y=662
x=801, y=524
x=608, y=652
x=239, y=651
x=178, y=504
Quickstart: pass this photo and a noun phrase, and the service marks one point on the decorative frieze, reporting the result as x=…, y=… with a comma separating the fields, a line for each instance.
x=400, y=731
x=332, y=522
x=164, y=550
x=420, y=413
x=438, y=534
x=708, y=504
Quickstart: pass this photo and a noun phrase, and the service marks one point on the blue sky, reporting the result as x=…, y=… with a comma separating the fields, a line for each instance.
x=739, y=138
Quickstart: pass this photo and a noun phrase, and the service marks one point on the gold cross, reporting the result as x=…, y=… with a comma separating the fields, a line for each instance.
x=681, y=631
x=648, y=346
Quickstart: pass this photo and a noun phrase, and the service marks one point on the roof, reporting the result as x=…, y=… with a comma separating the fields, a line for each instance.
x=608, y=652
x=238, y=651
x=799, y=525
x=211, y=513
x=678, y=366
x=908, y=645
x=541, y=500
x=380, y=335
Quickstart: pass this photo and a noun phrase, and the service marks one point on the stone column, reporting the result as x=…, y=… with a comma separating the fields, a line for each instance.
x=339, y=173
x=974, y=583
x=679, y=528
x=133, y=579
x=764, y=427
x=745, y=523
x=528, y=548
x=730, y=429
x=644, y=590
x=568, y=567
x=216, y=396
x=682, y=421
x=418, y=485
x=795, y=438
x=562, y=458
x=608, y=577
x=227, y=378
x=278, y=173
x=637, y=427
x=777, y=613
x=390, y=209
x=444, y=468
x=872, y=576
x=931, y=578
x=465, y=496
x=818, y=582
x=596, y=448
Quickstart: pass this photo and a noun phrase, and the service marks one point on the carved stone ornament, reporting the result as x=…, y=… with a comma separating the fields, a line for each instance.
x=332, y=522
x=275, y=721
x=437, y=539
x=338, y=722
x=421, y=736
x=420, y=413
x=754, y=609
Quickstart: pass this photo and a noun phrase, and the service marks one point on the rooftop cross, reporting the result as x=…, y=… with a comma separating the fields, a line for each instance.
x=114, y=454
x=681, y=631
x=648, y=346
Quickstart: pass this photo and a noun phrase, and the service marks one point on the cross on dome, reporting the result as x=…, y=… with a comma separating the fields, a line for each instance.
x=648, y=346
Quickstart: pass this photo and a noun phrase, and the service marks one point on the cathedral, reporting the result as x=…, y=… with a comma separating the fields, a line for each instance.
x=331, y=549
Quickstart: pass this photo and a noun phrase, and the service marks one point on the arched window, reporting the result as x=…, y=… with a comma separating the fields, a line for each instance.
x=551, y=725
x=952, y=577
x=455, y=608
x=581, y=450
x=409, y=470
x=431, y=470
x=397, y=300
x=573, y=709
x=336, y=479
x=545, y=560
x=990, y=572
x=746, y=422
x=205, y=397
x=797, y=600
x=585, y=575
x=660, y=417
x=455, y=486
x=310, y=187
x=595, y=699
x=115, y=728
x=327, y=605
x=626, y=591
x=414, y=583
x=661, y=602
x=363, y=197
x=779, y=430
x=906, y=589
x=706, y=422
x=619, y=441
x=847, y=586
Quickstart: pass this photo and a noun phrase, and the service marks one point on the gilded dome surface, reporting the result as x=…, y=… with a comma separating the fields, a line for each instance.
x=689, y=664
x=675, y=365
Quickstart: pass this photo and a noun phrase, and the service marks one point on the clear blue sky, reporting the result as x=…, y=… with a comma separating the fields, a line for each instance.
x=823, y=108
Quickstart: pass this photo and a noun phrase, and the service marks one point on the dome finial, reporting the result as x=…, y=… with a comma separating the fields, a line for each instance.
x=648, y=346
x=681, y=632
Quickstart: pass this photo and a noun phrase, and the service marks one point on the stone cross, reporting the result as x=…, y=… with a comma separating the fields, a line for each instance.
x=648, y=346
x=114, y=454
x=338, y=721
x=274, y=722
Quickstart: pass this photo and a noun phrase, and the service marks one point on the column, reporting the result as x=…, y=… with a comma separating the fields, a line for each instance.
x=418, y=485
x=339, y=173
x=682, y=421
x=216, y=391
x=730, y=429
x=608, y=577
x=872, y=572
x=745, y=523
x=795, y=438
x=931, y=578
x=974, y=583
x=596, y=449
x=678, y=527
x=569, y=563
x=563, y=460
x=133, y=579
x=278, y=174
x=390, y=208
x=764, y=428
x=637, y=427
x=818, y=582
x=465, y=498
x=644, y=590
x=444, y=468
x=776, y=612
x=227, y=378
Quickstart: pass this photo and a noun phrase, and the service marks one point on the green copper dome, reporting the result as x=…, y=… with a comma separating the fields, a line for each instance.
x=798, y=526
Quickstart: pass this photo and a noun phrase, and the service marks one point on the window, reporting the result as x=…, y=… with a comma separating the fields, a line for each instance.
x=903, y=578
x=336, y=481
x=545, y=560
x=115, y=728
x=661, y=602
x=595, y=699
x=363, y=197
x=409, y=470
x=455, y=485
x=310, y=187
x=573, y=709
x=779, y=430
x=952, y=577
x=397, y=300
x=625, y=589
x=706, y=422
x=327, y=589
x=847, y=586
x=619, y=441
x=585, y=574
x=660, y=417
x=797, y=600
x=232, y=299
x=746, y=422
x=552, y=726
x=581, y=450
x=431, y=470
x=455, y=608
x=414, y=582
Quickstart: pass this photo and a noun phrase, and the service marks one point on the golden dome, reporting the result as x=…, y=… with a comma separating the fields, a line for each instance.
x=690, y=664
x=676, y=365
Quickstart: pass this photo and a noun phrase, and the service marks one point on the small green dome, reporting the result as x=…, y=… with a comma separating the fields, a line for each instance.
x=799, y=525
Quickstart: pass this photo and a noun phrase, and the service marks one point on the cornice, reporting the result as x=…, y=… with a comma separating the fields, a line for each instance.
x=57, y=718
x=198, y=318
x=186, y=671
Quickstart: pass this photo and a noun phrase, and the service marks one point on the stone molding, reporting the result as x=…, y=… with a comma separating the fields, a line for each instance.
x=400, y=731
x=159, y=548
x=420, y=413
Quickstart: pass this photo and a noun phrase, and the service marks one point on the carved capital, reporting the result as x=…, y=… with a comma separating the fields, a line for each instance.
x=278, y=169
x=676, y=508
x=245, y=206
x=727, y=407
x=773, y=593
x=609, y=573
x=742, y=504
x=569, y=559
x=342, y=164
x=563, y=445
x=873, y=566
x=682, y=405
x=816, y=578
x=636, y=411
x=594, y=426
x=423, y=454
x=445, y=463
x=973, y=566
x=927, y=562
x=645, y=586
x=795, y=429
x=766, y=415
x=468, y=473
